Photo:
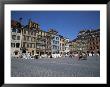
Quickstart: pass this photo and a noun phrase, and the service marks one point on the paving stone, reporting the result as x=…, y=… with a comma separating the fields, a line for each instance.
x=55, y=67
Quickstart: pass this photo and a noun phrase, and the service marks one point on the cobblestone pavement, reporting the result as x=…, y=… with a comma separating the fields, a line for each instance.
x=55, y=67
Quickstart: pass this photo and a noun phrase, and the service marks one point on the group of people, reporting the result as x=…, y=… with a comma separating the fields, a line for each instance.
x=83, y=55
x=28, y=55
x=79, y=55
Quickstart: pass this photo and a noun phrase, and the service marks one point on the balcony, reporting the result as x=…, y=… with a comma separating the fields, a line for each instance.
x=40, y=42
x=15, y=33
x=15, y=41
x=40, y=49
x=41, y=38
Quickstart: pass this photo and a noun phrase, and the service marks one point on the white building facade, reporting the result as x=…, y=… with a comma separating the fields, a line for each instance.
x=16, y=36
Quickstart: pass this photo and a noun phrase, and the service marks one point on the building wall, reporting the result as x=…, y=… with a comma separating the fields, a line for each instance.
x=15, y=42
x=62, y=45
x=36, y=41
x=94, y=41
x=55, y=44
x=94, y=44
x=48, y=43
x=86, y=41
x=41, y=42
x=29, y=41
x=66, y=46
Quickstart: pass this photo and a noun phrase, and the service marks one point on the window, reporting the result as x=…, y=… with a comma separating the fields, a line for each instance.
x=28, y=38
x=58, y=42
x=31, y=39
x=28, y=32
x=53, y=37
x=34, y=39
x=33, y=45
x=13, y=30
x=45, y=33
x=53, y=47
x=39, y=32
x=24, y=31
x=24, y=37
x=58, y=47
x=24, y=44
x=36, y=26
x=31, y=33
x=27, y=45
x=16, y=53
x=30, y=45
x=17, y=30
x=57, y=38
x=55, y=42
x=39, y=36
x=18, y=37
x=97, y=47
x=42, y=33
x=12, y=44
x=91, y=48
x=33, y=52
x=17, y=45
x=97, y=42
x=14, y=37
x=34, y=33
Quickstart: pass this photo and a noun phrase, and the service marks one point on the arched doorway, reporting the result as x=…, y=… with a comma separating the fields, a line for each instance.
x=16, y=53
x=23, y=51
x=33, y=52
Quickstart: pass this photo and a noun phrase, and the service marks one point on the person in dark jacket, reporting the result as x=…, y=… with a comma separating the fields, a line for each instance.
x=92, y=53
x=80, y=56
x=50, y=56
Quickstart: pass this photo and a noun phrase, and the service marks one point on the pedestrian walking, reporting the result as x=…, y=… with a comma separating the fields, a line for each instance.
x=80, y=56
x=98, y=53
x=70, y=55
x=84, y=56
x=50, y=56
x=92, y=53
x=87, y=53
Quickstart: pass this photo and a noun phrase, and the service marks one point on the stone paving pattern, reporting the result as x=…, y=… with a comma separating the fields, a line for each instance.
x=55, y=67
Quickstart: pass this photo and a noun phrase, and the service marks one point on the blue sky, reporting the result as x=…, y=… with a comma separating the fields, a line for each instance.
x=67, y=23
